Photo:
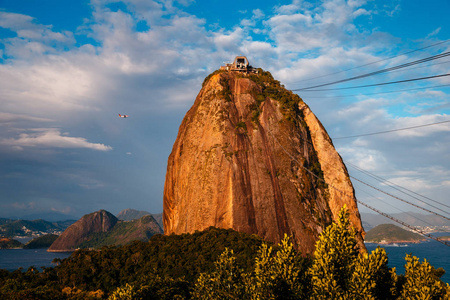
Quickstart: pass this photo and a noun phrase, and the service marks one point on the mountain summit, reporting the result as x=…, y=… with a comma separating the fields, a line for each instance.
x=251, y=156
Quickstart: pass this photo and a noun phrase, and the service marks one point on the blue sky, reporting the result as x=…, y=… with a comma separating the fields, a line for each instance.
x=68, y=68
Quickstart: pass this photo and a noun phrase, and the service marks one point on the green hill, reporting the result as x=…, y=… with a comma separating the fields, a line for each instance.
x=41, y=242
x=390, y=233
x=8, y=243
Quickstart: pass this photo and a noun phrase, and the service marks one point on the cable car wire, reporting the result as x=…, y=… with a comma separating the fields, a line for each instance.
x=399, y=190
x=438, y=56
x=397, y=187
x=389, y=204
x=368, y=64
x=398, y=198
x=379, y=93
x=389, y=131
x=376, y=84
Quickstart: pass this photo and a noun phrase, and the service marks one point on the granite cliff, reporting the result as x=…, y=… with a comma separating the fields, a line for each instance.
x=251, y=156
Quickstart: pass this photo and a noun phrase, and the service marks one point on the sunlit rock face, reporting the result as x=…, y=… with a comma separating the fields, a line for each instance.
x=251, y=156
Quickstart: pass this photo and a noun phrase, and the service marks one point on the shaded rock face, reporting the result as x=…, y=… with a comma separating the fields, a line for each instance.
x=245, y=158
x=139, y=229
x=131, y=214
x=100, y=221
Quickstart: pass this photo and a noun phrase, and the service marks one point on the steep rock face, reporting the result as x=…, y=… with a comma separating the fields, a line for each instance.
x=100, y=221
x=245, y=158
x=340, y=188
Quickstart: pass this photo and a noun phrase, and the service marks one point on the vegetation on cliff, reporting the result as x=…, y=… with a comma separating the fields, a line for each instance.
x=224, y=264
x=390, y=233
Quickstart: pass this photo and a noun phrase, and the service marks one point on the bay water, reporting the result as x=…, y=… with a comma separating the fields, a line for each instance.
x=12, y=259
x=437, y=254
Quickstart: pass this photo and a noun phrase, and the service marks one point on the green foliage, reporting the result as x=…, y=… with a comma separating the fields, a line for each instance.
x=275, y=90
x=316, y=168
x=126, y=292
x=421, y=281
x=334, y=260
x=279, y=273
x=225, y=282
x=241, y=127
x=7, y=243
x=225, y=264
x=226, y=91
x=207, y=78
x=371, y=278
x=41, y=242
x=339, y=271
x=178, y=259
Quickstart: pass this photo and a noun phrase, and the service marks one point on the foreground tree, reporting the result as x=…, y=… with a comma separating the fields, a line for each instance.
x=422, y=281
x=225, y=282
x=278, y=274
x=339, y=271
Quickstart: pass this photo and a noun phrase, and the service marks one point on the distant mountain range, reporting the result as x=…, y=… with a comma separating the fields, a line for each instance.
x=370, y=221
x=48, y=216
x=25, y=228
x=133, y=214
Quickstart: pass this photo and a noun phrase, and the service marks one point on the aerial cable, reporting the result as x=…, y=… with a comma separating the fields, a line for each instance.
x=405, y=224
x=438, y=56
x=389, y=131
x=375, y=84
x=398, y=187
x=390, y=195
x=378, y=199
x=368, y=64
x=392, y=185
x=379, y=93
x=421, y=67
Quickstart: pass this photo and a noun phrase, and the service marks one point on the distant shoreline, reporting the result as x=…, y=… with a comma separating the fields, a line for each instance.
x=396, y=242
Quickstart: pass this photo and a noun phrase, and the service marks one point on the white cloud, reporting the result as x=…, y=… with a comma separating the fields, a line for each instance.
x=51, y=138
x=32, y=39
x=10, y=118
x=434, y=33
